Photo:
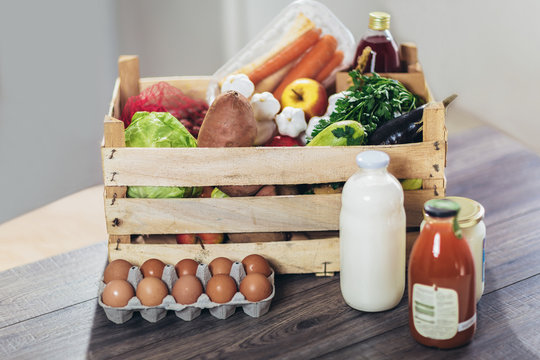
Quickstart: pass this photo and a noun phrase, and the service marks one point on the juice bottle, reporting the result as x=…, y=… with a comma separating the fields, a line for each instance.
x=442, y=306
x=372, y=232
x=385, y=54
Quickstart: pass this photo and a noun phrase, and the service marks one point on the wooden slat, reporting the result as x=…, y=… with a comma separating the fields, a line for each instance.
x=438, y=185
x=128, y=71
x=433, y=118
x=260, y=165
x=435, y=130
x=207, y=215
x=408, y=53
x=114, y=106
x=246, y=214
x=114, y=136
x=286, y=257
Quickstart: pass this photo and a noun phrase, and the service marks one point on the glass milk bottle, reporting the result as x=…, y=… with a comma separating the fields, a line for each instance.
x=372, y=232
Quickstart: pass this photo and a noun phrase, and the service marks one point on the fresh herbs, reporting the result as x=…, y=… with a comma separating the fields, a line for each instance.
x=348, y=133
x=372, y=100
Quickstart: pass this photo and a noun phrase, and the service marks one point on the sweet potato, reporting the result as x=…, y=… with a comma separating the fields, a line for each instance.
x=230, y=122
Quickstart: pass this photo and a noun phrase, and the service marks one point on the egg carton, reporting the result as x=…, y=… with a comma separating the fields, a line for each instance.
x=187, y=312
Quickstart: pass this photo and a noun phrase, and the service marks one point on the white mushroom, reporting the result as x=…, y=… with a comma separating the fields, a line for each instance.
x=240, y=83
x=265, y=106
x=291, y=122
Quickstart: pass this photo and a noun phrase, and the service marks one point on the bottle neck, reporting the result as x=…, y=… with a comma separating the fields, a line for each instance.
x=378, y=171
x=439, y=220
x=378, y=33
x=450, y=222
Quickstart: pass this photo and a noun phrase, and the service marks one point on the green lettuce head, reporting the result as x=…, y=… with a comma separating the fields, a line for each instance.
x=159, y=129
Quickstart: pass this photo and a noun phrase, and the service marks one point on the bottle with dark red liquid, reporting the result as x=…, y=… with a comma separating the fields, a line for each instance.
x=442, y=306
x=385, y=54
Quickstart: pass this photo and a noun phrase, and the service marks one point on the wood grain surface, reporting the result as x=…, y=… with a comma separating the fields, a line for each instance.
x=241, y=166
x=245, y=214
x=49, y=310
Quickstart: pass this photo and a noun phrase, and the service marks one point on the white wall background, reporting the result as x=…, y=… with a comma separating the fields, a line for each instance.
x=56, y=76
x=58, y=64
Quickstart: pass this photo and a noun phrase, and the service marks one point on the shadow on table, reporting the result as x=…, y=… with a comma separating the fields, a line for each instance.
x=172, y=337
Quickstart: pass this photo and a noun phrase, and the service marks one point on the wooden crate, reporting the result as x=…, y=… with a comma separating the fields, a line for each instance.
x=123, y=167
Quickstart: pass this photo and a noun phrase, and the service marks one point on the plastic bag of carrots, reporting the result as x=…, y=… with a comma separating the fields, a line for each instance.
x=306, y=40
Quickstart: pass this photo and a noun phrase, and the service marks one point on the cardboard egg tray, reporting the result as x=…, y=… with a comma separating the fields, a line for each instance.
x=187, y=312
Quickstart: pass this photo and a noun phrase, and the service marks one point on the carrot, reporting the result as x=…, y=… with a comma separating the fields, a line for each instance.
x=311, y=64
x=290, y=53
x=337, y=58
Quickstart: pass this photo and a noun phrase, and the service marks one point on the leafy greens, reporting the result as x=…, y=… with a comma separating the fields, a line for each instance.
x=159, y=129
x=371, y=100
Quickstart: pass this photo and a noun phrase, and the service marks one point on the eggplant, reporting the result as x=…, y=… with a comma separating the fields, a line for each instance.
x=403, y=129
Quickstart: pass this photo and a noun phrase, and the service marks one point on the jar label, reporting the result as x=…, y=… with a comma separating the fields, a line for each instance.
x=435, y=311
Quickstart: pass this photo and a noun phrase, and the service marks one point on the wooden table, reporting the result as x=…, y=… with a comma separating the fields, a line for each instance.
x=48, y=309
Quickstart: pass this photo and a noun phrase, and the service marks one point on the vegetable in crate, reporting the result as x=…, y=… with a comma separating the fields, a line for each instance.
x=371, y=101
x=403, y=129
x=342, y=133
x=159, y=129
x=311, y=63
x=406, y=128
x=230, y=122
x=163, y=97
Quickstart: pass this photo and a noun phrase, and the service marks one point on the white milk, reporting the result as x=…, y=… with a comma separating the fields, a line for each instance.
x=372, y=236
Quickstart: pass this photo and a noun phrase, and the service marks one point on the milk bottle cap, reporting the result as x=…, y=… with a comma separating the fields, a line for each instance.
x=372, y=159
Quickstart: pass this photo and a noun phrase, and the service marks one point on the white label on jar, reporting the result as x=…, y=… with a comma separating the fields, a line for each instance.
x=435, y=311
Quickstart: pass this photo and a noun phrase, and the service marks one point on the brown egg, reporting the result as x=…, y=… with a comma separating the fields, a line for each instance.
x=220, y=265
x=187, y=289
x=221, y=288
x=186, y=267
x=116, y=270
x=151, y=291
x=256, y=264
x=117, y=293
x=256, y=287
x=152, y=267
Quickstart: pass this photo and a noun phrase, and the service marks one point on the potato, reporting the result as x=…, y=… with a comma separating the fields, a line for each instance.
x=229, y=122
x=257, y=237
x=287, y=190
x=240, y=190
x=267, y=190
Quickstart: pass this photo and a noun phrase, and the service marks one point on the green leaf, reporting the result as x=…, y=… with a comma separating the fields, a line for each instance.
x=372, y=101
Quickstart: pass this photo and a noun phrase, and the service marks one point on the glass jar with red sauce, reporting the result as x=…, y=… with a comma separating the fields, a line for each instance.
x=385, y=55
x=442, y=306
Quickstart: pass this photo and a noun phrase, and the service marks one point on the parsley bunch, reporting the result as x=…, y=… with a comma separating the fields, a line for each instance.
x=372, y=100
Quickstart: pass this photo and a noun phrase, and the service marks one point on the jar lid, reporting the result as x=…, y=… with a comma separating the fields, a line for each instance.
x=372, y=159
x=379, y=20
x=471, y=212
x=442, y=208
